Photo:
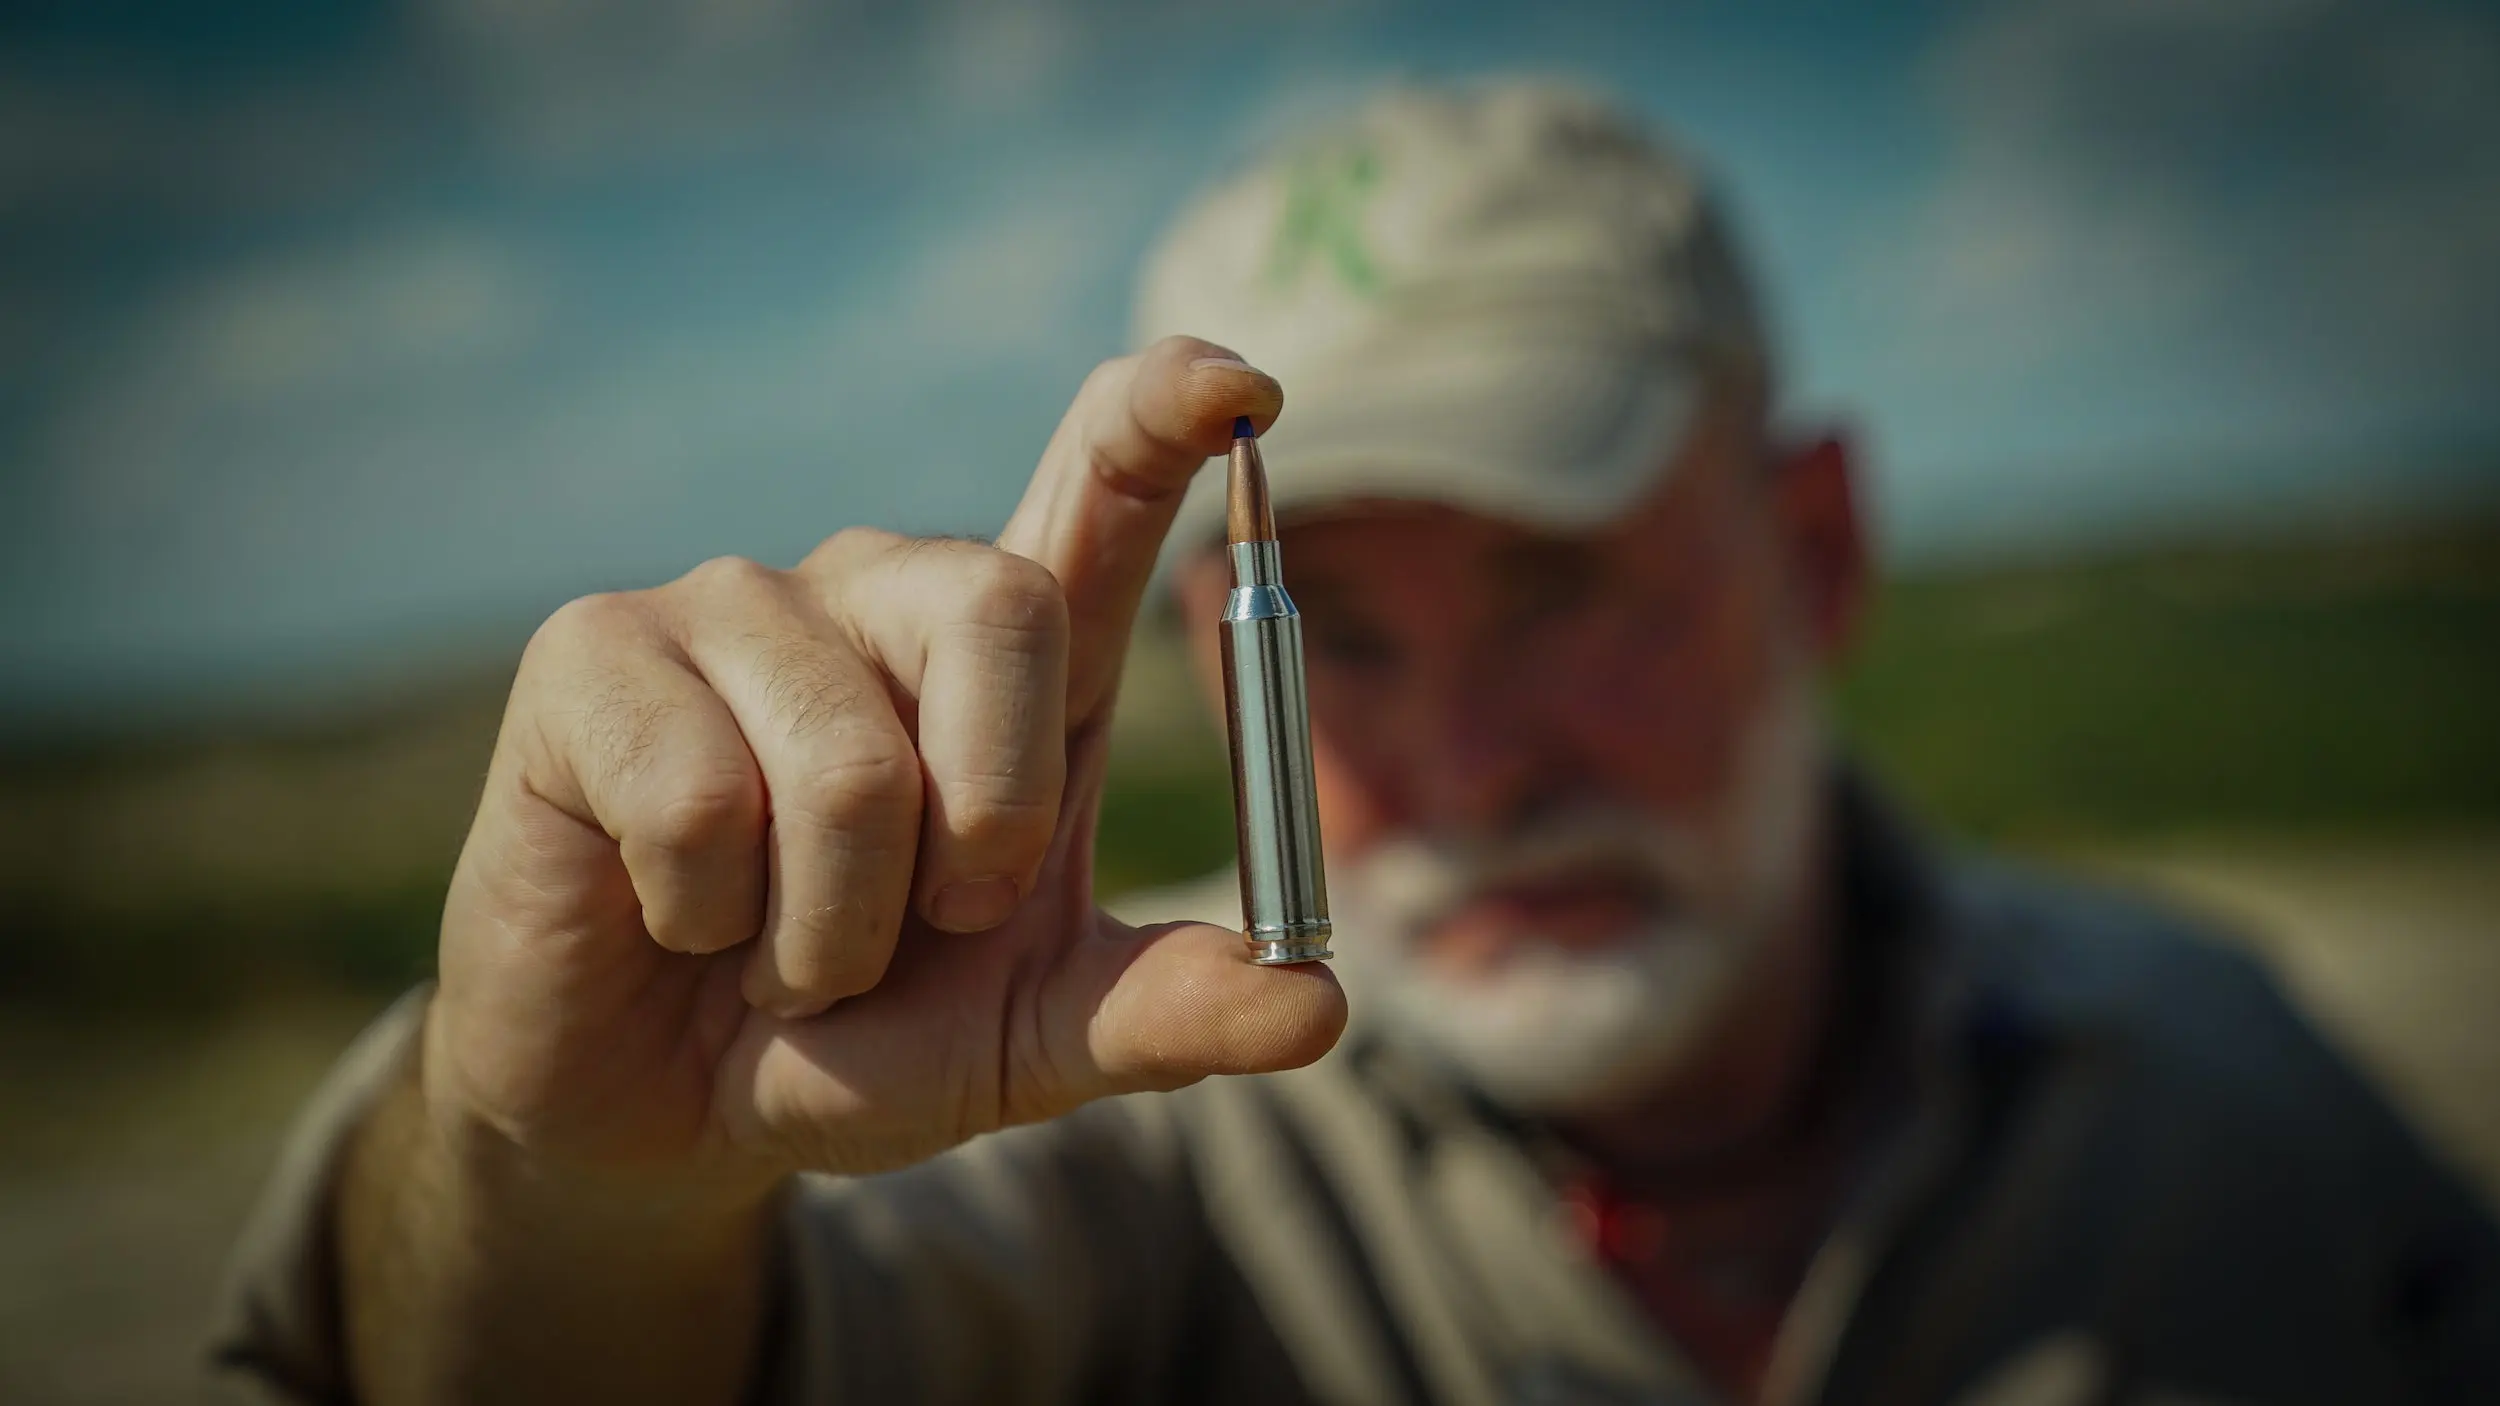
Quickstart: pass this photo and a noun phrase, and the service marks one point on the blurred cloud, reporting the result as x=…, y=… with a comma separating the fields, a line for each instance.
x=405, y=302
x=1003, y=285
x=2299, y=201
x=78, y=146
x=294, y=336
x=990, y=58
x=578, y=88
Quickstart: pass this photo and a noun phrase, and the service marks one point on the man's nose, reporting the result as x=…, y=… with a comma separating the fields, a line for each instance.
x=1483, y=756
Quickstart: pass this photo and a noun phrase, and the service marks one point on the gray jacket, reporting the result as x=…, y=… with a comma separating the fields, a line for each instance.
x=2121, y=1170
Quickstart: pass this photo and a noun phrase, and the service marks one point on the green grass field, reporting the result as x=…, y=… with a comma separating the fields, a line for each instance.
x=2312, y=688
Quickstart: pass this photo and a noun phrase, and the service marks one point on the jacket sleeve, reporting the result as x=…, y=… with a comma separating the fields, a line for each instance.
x=1051, y=1263
x=274, y=1327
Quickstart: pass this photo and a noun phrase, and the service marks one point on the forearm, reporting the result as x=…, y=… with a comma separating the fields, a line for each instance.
x=467, y=1274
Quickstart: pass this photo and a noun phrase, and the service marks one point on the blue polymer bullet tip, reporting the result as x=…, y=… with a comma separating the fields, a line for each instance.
x=1241, y=428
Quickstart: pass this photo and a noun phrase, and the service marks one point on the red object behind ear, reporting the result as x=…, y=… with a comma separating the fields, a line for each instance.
x=1826, y=538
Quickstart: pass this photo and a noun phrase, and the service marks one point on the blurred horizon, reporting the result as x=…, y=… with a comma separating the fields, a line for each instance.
x=329, y=689
x=335, y=334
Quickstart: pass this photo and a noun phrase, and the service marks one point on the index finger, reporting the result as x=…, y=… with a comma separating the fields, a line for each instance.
x=1110, y=481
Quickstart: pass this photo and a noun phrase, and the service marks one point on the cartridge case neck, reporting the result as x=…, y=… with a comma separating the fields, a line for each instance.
x=1256, y=564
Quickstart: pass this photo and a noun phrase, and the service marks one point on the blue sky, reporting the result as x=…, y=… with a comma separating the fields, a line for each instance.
x=329, y=331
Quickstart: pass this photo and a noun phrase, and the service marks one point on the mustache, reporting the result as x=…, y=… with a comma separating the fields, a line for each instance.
x=1416, y=881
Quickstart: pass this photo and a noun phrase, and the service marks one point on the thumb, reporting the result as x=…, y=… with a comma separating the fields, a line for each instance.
x=1168, y=1005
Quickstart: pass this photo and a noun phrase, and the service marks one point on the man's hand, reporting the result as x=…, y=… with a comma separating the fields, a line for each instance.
x=784, y=870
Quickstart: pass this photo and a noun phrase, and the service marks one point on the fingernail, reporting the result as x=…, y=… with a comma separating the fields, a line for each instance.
x=974, y=905
x=1229, y=363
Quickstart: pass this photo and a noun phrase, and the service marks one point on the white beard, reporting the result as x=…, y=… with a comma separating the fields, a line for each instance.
x=1549, y=1030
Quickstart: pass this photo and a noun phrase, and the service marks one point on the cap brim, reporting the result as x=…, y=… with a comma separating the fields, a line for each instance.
x=1556, y=435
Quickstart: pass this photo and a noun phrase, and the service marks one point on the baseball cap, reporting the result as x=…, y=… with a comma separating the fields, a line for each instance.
x=1507, y=297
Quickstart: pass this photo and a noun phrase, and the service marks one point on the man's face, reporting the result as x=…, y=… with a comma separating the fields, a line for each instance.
x=1569, y=783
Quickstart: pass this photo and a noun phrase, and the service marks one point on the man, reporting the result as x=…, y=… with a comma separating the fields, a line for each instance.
x=1676, y=1070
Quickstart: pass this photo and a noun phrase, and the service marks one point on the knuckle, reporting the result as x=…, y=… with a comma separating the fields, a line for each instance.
x=583, y=683
x=735, y=577
x=726, y=807
x=875, y=776
x=584, y=625
x=851, y=544
x=618, y=725
x=1004, y=591
x=989, y=819
x=1109, y=378
x=867, y=786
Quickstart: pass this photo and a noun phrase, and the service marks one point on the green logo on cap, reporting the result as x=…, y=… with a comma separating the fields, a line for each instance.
x=1324, y=193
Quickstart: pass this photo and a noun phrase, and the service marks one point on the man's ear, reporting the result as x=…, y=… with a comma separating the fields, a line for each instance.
x=1830, y=561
